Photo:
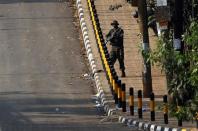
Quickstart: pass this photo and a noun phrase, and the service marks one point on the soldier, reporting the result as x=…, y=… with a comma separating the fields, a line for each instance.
x=151, y=19
x=115, y=36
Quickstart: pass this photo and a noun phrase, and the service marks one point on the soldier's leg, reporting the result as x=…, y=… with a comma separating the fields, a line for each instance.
x=113, y=57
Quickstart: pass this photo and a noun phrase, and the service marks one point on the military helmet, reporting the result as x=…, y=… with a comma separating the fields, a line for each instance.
x=115, y=22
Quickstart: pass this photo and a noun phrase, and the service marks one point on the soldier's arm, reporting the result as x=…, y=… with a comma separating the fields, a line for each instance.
x=109, y=35
x=122, y=33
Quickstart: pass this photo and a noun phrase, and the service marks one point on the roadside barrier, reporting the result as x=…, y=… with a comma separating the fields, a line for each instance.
x=165, y=109
x=131, y=101
x=87, y=44
x=152, y=106
x=115, y=89
x=112, y=79
x=118, y=88
x=123, y=97
x=119, y=94
x=108, y=67
x=140, y=104
x=179, y=120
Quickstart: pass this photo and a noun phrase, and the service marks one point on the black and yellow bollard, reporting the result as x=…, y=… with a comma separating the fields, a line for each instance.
x=123, y=97
x=131, y=101
x=165, y=100
x=180, y=122
x=140, y=104
x=101, y=36
x=180, y=119
x=99, y=31
x=97, y=22
x=196, y=119
x=105, y=50
x=113, y=87
x=110, y=66
x=94, y=9
x=111, y=80
x=108, y=60
x=102, y=41
x=115, y=94
x=119, y=94
x=152, y=106
x=93, y=4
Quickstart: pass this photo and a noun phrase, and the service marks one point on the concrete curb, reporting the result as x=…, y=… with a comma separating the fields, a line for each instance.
x=87, y=44
x=101, y=95
x=146, y=126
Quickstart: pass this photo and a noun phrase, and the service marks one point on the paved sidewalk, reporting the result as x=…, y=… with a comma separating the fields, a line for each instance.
x=133, y=58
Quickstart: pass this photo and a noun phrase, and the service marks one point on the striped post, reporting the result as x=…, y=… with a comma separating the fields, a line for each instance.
x=123, y=97
x=115, y=88
x=196, y=119
x=102, y=40
x=131, y=101
x=179, y=120
x=97, y=21
x=105, y=50
x=165, y=100
x=152, y=106
x=119, y=94
x=92, y=4
x=140, y=104
x=111, y=79
x=108, y=58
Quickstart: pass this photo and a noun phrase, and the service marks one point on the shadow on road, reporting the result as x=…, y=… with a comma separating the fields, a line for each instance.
x=18, y=112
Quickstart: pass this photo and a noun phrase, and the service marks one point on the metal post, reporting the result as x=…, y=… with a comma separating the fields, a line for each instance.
x=115, y=89
x=165, y=109
x=152, y=106
x=119, y=94
x=123, y=97
x=131, y=101
x=143, y=20
x=180, y=122
x=140, y=104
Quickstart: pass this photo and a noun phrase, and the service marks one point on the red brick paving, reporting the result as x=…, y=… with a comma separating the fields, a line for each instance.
x=133, y=58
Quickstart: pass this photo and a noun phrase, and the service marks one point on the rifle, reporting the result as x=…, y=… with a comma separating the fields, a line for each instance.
x=110, y=36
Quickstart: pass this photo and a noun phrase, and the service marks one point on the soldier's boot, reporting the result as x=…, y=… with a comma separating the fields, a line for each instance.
x=123, y=74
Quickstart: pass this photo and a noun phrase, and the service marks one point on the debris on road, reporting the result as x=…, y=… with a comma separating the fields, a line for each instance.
x=114, y=7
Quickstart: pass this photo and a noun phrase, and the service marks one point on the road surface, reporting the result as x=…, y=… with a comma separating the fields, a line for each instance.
x=41, y=69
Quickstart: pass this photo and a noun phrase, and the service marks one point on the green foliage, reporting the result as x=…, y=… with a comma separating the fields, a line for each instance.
x=180, y=112
x=191, y=39
x=181, y=70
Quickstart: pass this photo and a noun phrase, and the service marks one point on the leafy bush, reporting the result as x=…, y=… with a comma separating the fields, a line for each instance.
x=181, y=70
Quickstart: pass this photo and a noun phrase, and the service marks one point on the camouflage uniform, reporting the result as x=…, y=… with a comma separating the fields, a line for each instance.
x=115, y=36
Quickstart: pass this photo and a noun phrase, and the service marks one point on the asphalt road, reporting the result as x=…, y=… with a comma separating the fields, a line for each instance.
x=41, y=68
